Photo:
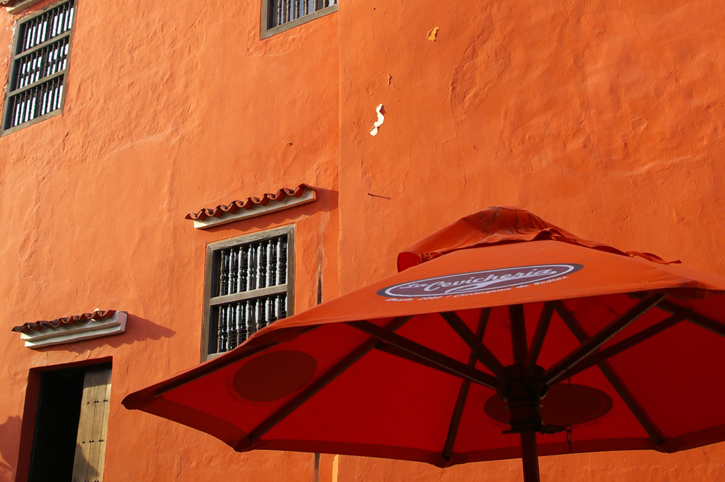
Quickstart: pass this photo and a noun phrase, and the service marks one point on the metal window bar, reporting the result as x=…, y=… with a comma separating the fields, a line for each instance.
x=261, y=265
x=240, y=325
x=283, y=11
x=235, y=322
x=241, y=273
x=39, y=64
x=221, y=328
x=249, y=321
x=259, y=314
x=271, y=263
x=252, y=266
x=281, y=261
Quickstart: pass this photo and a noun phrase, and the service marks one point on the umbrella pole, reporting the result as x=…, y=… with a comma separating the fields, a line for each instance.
x=523, y=390
x=529, y=456
x=523, y=397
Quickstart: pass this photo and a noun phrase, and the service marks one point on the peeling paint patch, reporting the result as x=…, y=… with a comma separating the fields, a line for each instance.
x=433, y=34
x=379, y=122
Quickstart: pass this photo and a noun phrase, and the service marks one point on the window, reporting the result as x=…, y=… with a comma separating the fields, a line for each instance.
x=69, y=440
x=35, y=88
x=281, y=15
x=249, y=284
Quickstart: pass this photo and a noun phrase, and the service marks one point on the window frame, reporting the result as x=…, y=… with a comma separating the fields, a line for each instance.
x=267, y=31
x=211, y=280
x=12, y=71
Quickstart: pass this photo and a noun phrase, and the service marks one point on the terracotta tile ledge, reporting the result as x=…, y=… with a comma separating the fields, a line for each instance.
x=73, y=328
x=284, y=198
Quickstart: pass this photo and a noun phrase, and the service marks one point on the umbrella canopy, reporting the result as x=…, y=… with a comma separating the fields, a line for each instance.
x=502, y=336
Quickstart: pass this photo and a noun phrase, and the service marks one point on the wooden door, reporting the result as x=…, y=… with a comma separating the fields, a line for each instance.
x=92, y=426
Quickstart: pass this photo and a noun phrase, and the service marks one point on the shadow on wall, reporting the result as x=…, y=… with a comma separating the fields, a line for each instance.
x=137, y=329
x=9, y=435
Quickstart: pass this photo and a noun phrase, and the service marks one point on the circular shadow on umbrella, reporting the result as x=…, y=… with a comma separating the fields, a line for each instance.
x=564, y=405
x=274, y=375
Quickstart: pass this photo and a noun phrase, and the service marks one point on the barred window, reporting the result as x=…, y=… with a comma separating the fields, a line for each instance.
x=249, y=284
x=39, y=65
x=280, y=15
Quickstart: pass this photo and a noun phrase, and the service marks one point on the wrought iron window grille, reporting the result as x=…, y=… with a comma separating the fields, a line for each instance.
x=36, y=85
x=281, y=15
x=249, y=284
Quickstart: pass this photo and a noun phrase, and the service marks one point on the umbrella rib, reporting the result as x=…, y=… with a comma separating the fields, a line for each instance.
x=317, y=385
x=488, y=359
x=591, y=344
x=412, y=357
x=647, y=424
x=694, y=317
x=705, y=322
x=541, y=328
x=623, y=345
x=426, y=354
x=463, y=391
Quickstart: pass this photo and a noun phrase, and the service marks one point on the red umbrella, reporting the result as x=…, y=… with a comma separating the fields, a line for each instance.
x=504, y=336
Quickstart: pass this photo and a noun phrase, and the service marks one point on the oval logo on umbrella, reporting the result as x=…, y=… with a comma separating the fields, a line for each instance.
x=479, y=281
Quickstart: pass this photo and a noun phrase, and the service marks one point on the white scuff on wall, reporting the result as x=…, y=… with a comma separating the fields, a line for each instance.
x=379, y=122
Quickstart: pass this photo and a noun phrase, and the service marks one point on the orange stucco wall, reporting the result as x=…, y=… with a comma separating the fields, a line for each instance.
x=605, y=118
x=602, y=117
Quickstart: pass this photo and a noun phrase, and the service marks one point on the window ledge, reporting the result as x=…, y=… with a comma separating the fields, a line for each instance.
x=72, y=333
x=21, y=6
x=252, y=207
